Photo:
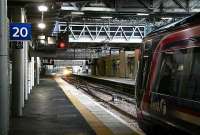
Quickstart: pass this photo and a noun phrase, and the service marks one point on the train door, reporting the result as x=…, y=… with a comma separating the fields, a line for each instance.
x=188, y=112
x=175, y=81
x=170, y=70
x=142, y=75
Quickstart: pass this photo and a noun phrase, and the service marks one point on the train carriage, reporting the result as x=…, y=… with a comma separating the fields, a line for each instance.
x=168, y=80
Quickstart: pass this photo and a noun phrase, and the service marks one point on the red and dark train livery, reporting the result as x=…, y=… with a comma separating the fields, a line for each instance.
x=168, y=80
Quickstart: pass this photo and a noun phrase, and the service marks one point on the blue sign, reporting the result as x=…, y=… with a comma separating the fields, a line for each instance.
x=20, y=31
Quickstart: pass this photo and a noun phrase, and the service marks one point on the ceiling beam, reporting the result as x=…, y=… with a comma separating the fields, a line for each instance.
x=157, y=4
x=144, y=4
x=195, y=4
x=177, y=2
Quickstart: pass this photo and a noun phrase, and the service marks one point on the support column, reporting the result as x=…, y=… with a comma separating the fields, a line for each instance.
x=4, y=80
x=18, y=73
x=29, y=77
x=26, y=70
x=18, y=82
x=38, y=71
x=32, y=72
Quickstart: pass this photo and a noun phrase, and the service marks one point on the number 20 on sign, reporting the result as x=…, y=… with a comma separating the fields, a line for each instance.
x=20, y=31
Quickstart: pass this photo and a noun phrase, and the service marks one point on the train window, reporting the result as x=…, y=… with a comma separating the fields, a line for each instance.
x=192, y=88
x=171, y=75
x=145, y=71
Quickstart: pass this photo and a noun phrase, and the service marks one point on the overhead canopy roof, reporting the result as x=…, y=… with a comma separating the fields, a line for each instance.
x=123, y=10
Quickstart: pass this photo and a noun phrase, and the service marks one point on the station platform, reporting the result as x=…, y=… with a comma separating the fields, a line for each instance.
x=125, y=81
x=56, y=107
x=124, y=85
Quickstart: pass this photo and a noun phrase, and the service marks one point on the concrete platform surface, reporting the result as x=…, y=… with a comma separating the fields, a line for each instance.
x=49, y=112
x=100, y=119
x=56, y=107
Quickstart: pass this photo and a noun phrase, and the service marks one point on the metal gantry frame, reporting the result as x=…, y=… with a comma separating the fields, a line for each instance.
x=108, y=33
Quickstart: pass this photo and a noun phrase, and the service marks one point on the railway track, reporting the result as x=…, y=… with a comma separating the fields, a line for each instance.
x=122, y=103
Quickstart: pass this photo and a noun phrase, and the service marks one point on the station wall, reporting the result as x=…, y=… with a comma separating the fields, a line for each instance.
x=118, y=65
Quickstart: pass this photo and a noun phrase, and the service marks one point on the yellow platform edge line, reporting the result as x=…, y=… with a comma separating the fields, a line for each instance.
x=93, y=121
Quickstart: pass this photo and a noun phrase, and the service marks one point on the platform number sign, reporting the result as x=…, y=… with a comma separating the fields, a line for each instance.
x=20, y=31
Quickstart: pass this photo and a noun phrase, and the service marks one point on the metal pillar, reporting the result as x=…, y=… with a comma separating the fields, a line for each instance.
x=38, y=71
x=18, y=82
x=29, y=77
x=18, y=75
x=32, y=72
x=26, y=70
x=4, y=80
x=25, y=45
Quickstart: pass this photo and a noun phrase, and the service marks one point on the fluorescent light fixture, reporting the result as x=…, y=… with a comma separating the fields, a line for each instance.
x=42, y=8
x=166, y=18
x=100, y=9
x=77, y=13
x=42, y=25
x=97, y=6
x=101, y=4
x=69, y=8
x=142, y=14
x=106, y=17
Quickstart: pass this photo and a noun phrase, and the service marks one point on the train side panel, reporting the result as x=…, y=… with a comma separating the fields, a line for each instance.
x=168, y=84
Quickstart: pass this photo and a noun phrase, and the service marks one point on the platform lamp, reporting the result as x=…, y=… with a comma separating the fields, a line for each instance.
x=42, y=8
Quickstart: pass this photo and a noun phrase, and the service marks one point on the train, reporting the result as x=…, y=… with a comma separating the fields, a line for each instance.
x=168, y=79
